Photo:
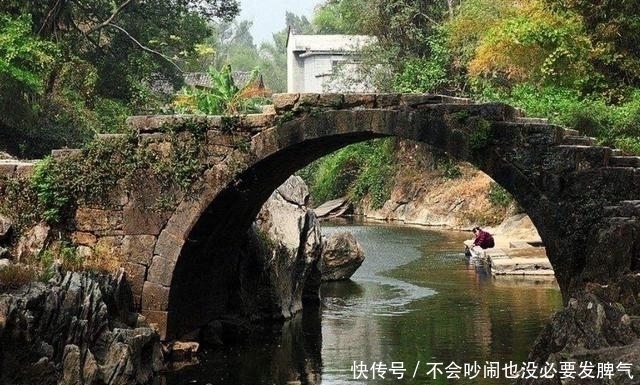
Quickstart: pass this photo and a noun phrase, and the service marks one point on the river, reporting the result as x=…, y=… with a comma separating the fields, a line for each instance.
x=415, y=304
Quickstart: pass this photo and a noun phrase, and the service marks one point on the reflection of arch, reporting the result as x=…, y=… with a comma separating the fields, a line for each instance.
x=191, y=276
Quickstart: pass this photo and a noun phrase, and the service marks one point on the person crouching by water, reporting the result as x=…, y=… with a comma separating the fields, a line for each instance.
x=482, y=239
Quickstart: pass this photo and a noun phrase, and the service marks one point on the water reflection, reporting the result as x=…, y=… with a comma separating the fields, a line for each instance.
x=415, y=299
x=290, y=354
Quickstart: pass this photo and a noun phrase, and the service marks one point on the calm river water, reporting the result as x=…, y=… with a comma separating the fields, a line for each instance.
x=414, y=302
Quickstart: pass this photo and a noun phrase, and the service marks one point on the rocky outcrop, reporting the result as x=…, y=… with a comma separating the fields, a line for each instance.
x=434, y=191
x=5, y=228
x=75, y=330
x=32, y=241
x=599, y=325
x=341, y=257
x=279, y=267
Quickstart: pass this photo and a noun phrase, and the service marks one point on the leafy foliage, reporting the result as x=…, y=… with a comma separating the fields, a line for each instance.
x=613, y=28
x=356, y=171
x=498, y=196
x=341, y=17
x=223, y=97
x=69, y=69
x=24, y=58
x=533, y=44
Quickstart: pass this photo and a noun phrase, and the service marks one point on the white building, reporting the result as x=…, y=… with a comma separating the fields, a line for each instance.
x=326, y=63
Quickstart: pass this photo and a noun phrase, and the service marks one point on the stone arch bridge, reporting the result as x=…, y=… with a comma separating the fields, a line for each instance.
x=582, y=197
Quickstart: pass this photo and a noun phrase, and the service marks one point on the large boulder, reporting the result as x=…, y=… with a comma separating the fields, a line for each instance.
x=75, y=331
x=341, y=257
x=279, y=265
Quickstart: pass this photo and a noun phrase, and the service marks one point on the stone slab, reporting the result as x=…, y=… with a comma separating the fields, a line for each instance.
x=98, y=220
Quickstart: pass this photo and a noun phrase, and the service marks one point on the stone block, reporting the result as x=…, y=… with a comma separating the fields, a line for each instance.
x=65, y=152
x=136, y=274
x=159, y=321
x=155, y=296
x=162, y=150
x=161, y=271
x=139, y=216
x=107, y=253
x=387, y=100
x=84, y=238
x=138, y=248
x=168, y=245
x=25, y=170
x=266, y=142
x=284, y=102
x=7, y=169
x=308, y=100
x=269, y=109
x=414, y=100
x=360, y=100
x=344, y=121
x=331, y=100
x=257, y=121
x=98, y=220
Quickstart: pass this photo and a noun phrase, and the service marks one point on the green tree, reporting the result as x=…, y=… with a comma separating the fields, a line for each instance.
x=113, y=57
x=613, y=27
x=341, y=17
x=532, y=43
x=24, y=64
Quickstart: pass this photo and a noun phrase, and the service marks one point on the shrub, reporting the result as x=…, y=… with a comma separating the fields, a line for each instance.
x=14, y=276
x=498, y=196
x=355, y=171
x=449, y=167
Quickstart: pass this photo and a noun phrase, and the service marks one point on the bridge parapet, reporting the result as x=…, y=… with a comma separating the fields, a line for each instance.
x=12, y=168
x=252, y=123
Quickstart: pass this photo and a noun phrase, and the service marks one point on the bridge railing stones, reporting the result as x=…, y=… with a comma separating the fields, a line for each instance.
x=11, y=168
x=252, y=123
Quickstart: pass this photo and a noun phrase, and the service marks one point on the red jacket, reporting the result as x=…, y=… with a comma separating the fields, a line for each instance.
x=484, y=239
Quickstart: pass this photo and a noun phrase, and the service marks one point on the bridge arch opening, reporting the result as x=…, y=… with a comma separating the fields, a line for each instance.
x=205, y=282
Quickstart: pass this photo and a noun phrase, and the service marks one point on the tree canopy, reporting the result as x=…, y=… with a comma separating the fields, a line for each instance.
x=81, y=66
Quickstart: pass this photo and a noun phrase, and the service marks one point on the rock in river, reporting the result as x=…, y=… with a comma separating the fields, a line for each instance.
x=341, y=257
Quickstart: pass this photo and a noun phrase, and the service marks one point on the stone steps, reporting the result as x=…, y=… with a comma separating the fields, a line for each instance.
x=579, y=140
x=581, y=157
x=571, y=132
x=624, y=161
x=532, y=120
x=625, y=209
x=519, y=261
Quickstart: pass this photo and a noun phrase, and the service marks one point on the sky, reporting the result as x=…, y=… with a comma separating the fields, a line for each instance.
x=268, y=15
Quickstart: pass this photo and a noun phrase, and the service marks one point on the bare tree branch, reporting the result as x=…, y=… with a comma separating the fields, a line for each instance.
x=110, y=19
x=145, y=48
x=55, y=8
